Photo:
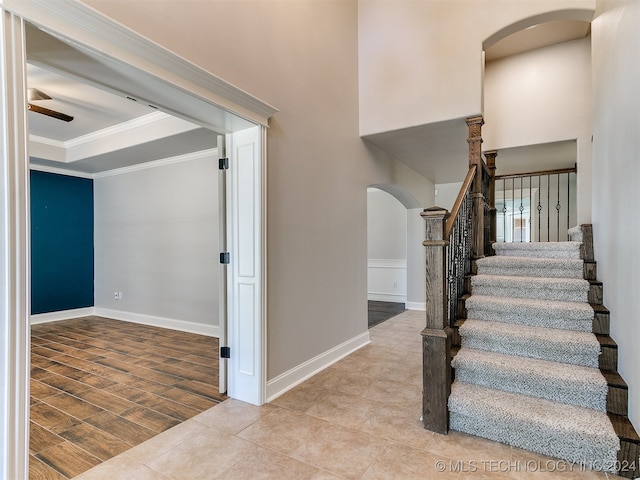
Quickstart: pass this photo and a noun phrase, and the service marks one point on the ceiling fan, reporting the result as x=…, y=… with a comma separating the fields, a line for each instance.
x=33, y=94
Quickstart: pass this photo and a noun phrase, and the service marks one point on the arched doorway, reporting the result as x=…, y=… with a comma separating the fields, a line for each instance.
x=395, y=267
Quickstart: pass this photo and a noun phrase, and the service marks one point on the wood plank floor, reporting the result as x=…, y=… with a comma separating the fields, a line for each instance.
x=101, y=386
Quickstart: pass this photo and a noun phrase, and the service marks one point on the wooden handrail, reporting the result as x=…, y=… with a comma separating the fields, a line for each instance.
x=458, y=203
x=536, y=174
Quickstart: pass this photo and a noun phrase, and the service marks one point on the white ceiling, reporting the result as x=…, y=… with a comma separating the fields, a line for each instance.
x=110, y=129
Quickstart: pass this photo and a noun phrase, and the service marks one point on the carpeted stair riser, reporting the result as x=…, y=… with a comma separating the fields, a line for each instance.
x=576, y=348
x=564, y=383
x=531, y=312
x=527, y=371
x=561, y=289
x=531, y=267
x=539, y=249
x=568, y=432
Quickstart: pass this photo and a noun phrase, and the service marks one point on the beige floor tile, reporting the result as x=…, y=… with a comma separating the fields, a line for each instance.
x=122, y=468
x=283, y=430
x=265, y=464
x=341, y=450
x=233, y=415
x=395, y=393
x=527, y=465
x=346, y=410
x=165, y=441
x=462, y=447
x=202, y=456
x=401, y=462
x=398, y=424
x=301, y=397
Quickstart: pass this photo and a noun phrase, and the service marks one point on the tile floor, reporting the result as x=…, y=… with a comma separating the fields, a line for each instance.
x=357, y=419
x=100, y=386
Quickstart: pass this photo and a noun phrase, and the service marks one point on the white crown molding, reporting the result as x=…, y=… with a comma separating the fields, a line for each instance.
x=143, y=129
x=210, y=153
x=149, y=119
x=60, y=171
x=47, y=141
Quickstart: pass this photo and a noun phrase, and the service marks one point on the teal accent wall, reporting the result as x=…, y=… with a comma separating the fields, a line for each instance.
x=61, y=242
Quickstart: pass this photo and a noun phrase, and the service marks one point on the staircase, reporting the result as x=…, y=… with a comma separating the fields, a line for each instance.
x=534, y=366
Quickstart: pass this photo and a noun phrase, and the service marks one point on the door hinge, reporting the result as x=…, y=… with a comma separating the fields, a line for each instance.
x=225, y=352
x=225, y=258
x=223, y=164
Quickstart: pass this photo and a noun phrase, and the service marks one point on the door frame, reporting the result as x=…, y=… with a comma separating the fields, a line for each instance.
x=189, y=92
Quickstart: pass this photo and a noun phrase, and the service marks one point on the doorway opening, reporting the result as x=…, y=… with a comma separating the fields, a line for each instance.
x=395, y=257
x=114, y=69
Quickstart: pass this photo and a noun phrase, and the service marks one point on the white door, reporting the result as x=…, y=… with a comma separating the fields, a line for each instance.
x=246, y=315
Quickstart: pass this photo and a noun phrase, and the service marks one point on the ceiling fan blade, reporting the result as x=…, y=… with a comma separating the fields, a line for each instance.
x=51, y=113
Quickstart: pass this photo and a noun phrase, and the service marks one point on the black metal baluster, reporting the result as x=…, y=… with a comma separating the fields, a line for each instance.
x=568, y=204
x=539, y=204
x=558, y=207
x=548, y=207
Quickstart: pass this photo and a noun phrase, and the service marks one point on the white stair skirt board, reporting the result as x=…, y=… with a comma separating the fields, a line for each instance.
x=289, y=379
x=527, y=371
x=162, y=322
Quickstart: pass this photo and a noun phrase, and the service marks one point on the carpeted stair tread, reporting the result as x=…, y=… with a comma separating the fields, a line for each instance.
x=566, y=346
x=558, y=289
x=532, y=312
x=563, y=431
x=560, y=382
x=531, y=266
x=539, y=249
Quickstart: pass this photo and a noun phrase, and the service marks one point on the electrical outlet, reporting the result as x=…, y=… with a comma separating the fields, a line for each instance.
x=395, y=284
x=117, y=295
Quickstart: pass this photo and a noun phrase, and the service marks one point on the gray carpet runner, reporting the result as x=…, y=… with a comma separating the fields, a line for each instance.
x=527, y=371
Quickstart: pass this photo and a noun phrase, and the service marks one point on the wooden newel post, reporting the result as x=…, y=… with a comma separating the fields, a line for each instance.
x=475, y=158
x=491, y=166
x=436, y=337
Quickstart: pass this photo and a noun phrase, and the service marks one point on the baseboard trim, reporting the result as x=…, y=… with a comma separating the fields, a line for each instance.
x=387, y=297
x=420, y=306
x=61, y=315
x=172, y=323
x=286, y=381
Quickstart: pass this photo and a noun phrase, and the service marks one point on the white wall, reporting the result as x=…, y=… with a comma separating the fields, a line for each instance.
x=421, y=62
x=387, y=247
x=156, y=241
x=301, y=57
x=447, y=193
x=539, y=97
x=616, y=170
